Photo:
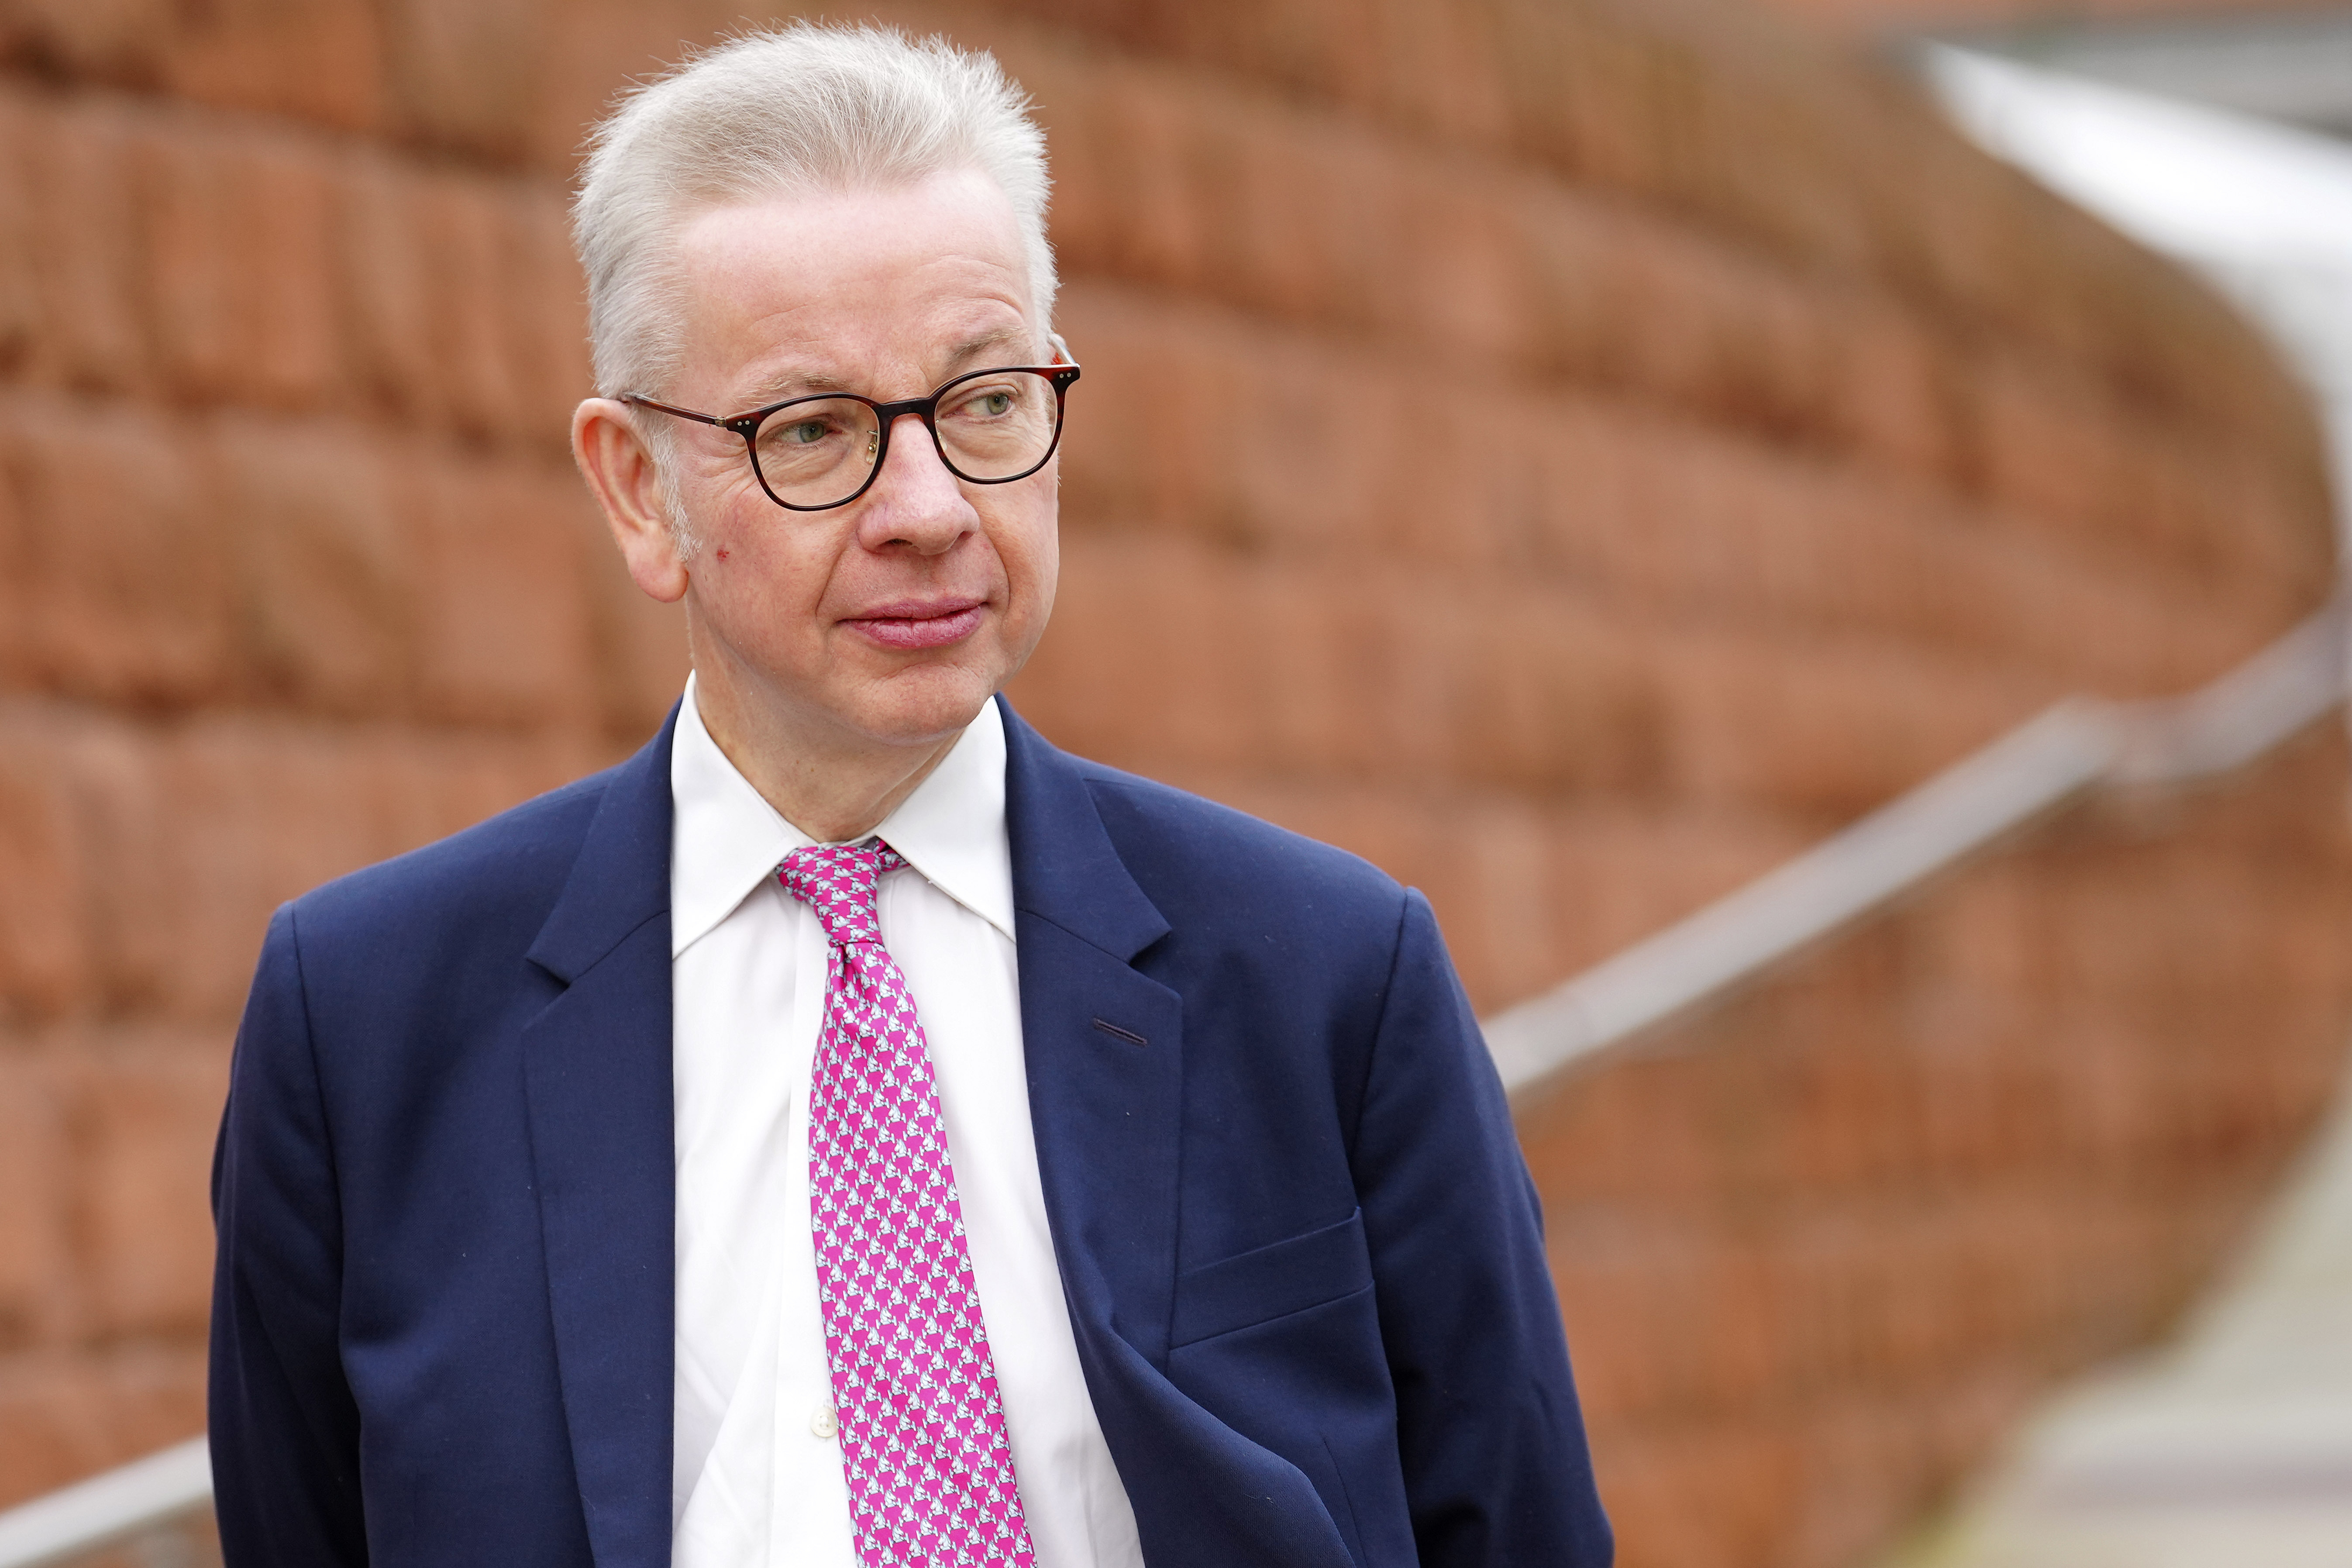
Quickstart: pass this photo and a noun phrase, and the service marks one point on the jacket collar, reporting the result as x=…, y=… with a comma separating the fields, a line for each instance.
x=727, y=840
x=597, y=1088
x=1064, y=868
x=621, y=879
x=1104, y=1044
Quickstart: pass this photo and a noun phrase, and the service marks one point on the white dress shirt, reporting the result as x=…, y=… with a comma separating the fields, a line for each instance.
x=758, y=1481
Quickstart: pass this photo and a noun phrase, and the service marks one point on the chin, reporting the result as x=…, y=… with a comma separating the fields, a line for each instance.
x=920, y=705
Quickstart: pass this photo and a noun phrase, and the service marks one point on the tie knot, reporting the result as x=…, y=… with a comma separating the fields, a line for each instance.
x=837, y=882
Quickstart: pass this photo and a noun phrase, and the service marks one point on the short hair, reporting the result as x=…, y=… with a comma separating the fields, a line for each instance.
x=793, y=109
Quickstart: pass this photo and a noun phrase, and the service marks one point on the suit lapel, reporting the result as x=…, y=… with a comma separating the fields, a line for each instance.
x=596, y=1066
x=1104, y=1046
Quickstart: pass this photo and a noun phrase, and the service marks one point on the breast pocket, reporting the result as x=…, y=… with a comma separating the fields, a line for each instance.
x=1272, y=1281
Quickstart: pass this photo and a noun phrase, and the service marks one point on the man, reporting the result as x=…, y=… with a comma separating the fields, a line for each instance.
x=852, y=1132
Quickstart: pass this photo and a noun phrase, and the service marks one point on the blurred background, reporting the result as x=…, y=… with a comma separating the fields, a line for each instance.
x=1821, y=404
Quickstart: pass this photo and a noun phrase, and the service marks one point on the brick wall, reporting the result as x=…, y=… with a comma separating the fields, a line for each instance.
x=1790, y=450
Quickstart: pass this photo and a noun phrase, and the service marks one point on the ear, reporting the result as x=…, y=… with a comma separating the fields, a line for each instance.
x=613, y=458
x=1061, y=355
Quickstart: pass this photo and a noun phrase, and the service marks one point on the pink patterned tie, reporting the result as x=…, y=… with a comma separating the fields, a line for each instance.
x=923, y=1426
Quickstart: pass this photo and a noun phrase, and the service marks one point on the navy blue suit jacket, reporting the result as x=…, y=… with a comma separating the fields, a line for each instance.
x=1301, y=1252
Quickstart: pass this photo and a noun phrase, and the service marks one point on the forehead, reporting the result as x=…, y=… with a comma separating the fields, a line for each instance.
x=847, y=286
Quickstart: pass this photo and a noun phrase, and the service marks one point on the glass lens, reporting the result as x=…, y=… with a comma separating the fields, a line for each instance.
x=997, y=424
x=818, y=452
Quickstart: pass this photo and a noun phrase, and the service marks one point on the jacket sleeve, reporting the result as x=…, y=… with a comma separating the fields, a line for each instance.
x=284, y=1430
x=1495, y=1465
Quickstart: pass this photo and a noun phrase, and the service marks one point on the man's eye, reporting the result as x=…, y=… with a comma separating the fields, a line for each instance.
x=805, y=433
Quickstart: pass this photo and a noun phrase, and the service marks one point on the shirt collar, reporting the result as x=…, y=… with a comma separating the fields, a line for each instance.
x=726, y=839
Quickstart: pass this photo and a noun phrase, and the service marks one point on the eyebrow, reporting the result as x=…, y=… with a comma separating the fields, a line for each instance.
x=1003, y=337
x=805, y=384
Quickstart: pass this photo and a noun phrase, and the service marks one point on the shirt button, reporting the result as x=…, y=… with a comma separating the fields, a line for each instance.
x=824, y=1424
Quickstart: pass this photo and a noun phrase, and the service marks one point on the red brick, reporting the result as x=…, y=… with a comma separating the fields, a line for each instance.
x=1888, y=395
x=570, y=72
x=464, y=229
x=123, y=581
x=1399, y=662
x=1104, y=671
x=1126, y=211
x=505, y=631
x=239, y=253
x=89, y=241
x=547, y=318
x=445, y=783
x=390, y=292
x=1671, y=1331
x=1726, y=119
x=1621, y=874
x=1331, y=225
x=197, y=836
x=1307, y=457
x=20, y=302
x=1319, y=710
x=1160, y=430
x=464, y=77
x=1554, y=697
x=19, y=660
x=46, y=966
x=38, y=1196
x=1834, y=730
x=66, y=1414
x=110, y=39
x=640, y=660
x=308, y=60
x=55, y=1421
x=326, y=563
x=1748, y=1470
x=143, y=918
x=2061, y=451
x=320, y=61
x=1497, y=926
x=147, y=1106
x=1351, y=670
x=464, y=307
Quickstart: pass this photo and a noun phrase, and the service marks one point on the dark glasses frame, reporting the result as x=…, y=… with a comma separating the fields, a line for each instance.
x=927, y=408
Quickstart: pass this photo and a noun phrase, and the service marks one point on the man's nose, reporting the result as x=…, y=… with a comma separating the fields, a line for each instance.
x=915, y=500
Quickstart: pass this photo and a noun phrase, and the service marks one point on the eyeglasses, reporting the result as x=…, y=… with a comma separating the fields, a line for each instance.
x=812, y=454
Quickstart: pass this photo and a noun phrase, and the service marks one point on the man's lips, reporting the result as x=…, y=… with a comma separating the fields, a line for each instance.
x=918, y=623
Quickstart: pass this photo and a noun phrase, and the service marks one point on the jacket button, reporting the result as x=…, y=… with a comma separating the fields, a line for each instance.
x=824, y=1424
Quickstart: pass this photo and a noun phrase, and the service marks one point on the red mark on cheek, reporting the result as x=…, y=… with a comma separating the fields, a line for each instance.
x=722, y=555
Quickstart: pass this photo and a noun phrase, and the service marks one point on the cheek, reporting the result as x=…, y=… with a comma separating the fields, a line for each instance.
x=1046, y=565
x=1029, y=544
x=765, y=581
x=1032, y=557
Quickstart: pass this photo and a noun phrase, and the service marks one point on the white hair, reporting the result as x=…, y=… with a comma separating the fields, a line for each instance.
x=790, y=109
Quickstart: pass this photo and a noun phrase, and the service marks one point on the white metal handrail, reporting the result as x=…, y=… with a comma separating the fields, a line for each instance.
x=106, y=1509
x=2080, y=745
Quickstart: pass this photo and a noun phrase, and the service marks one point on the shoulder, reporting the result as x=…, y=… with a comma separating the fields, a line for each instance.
x=504, y=871
x=1209, y=865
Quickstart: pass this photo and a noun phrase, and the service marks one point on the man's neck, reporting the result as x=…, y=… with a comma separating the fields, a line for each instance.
x=832, y=785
